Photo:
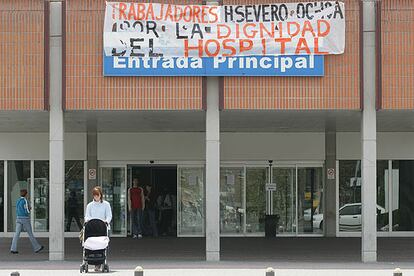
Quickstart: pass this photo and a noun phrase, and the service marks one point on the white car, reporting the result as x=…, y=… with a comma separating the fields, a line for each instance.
x=317, y=218
x=349, y=217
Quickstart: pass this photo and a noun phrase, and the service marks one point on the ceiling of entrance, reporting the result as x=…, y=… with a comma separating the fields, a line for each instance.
x=194, y=121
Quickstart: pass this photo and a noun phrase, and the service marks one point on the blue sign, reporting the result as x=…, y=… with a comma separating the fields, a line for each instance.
x=288, y=65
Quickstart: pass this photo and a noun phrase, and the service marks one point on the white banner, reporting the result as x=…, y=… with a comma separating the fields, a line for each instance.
x=166, y=30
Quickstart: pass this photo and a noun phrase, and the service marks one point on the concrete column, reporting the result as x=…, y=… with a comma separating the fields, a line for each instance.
x=56, y=133
x=213, y=171
x=329, y=211
x=213, y=166
x=92, y=154
x=369, y=137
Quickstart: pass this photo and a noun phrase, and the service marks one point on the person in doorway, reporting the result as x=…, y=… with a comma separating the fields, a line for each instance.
x=164, y=202
x=150, y=209
x=136, y=206
x=23, y=222
x=72, y=207
x=98, y=209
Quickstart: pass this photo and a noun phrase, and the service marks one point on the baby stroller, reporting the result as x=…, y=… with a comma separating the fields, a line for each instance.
x=95, y=243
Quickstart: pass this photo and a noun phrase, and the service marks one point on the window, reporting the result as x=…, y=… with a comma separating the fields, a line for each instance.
x=349, y=193
x=41, y=196
x=74, y=192
x=382, y=195
x=18, y=177
x=394, y=192
x=350, y=210
x=402, y=195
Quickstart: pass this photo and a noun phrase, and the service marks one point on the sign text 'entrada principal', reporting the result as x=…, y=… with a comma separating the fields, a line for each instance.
x=289, y=32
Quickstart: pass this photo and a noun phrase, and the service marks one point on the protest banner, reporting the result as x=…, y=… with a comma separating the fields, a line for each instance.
x=155, y=36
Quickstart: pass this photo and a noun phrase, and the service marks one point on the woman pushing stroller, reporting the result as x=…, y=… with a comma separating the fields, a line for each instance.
x=98, y=209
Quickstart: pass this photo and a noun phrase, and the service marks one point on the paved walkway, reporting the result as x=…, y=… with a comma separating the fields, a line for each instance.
x=220, y=272
x=244, y=253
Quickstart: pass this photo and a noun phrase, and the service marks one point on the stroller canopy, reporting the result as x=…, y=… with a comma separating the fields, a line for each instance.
x=95, y=228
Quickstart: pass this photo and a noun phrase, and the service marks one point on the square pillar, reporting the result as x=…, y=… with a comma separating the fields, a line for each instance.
x=369, y=136
x=212, y=171
x=56, y=142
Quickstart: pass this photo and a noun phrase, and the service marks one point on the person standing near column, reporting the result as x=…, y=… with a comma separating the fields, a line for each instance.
x=136, y=205
x=72, y=207
x=150, y=205
x=23, y=222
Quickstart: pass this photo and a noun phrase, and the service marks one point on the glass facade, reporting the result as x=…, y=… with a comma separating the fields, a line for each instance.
x=383, y=207
x=41, y=196
x=297, y=199
x=232, y=208
x=114, y=188
x=284, y=199
x=256, y=179
x=349, y=196
x=74, y=193
x=18, y=177
x=191, y=210
x=402, y=195
x=310, y=210
x=394, y=204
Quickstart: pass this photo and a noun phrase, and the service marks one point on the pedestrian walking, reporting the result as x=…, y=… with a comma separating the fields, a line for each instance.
x=23, y=223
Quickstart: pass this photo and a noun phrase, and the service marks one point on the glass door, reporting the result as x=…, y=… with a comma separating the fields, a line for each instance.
x=232, y=207
x=114, y=187
x=190, y=192
x=284, y=199
x=256, y=179
x=41, y=196
x=309, y=193
x=292, y=192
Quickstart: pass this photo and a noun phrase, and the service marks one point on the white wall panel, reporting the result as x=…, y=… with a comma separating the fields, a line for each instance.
x=348, y=146
x=163, y=146
x=390, y=145
x=395, y=145
x=275, y=146
x=191, y=146
x=35, y=146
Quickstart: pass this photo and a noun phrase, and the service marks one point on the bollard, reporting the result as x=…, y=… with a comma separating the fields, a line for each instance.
x=270, y=271
x=15, y=273
x=139, y=271
x=397, y=272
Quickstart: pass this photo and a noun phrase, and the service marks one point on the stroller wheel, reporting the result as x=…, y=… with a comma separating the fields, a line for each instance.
x=105, y=268
x=86, y=268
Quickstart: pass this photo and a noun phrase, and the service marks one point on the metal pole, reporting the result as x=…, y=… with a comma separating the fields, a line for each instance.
x=397, y=272
x=139, y=271
x=270, y=271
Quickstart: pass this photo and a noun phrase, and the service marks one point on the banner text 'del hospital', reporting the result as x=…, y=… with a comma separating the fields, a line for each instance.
x=166, y=30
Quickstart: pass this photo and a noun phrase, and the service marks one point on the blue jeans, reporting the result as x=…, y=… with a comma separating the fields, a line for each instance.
x=150, y=216
x=136, y=221
x=24, y=223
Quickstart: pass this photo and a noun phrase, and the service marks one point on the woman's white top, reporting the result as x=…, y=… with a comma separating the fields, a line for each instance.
x=98, y=210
